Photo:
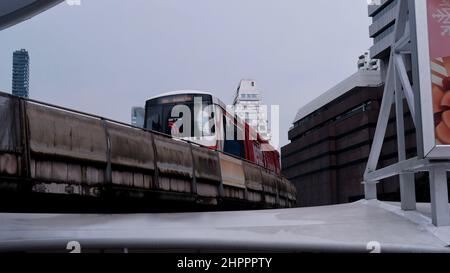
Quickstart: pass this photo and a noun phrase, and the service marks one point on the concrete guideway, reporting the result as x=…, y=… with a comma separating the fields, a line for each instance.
x=50, y=150
x=356, y=227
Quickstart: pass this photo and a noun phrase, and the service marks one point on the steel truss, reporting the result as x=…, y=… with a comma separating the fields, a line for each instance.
x=397, y=88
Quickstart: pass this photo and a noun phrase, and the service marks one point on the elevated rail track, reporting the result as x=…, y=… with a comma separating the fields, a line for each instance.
x=57, y=154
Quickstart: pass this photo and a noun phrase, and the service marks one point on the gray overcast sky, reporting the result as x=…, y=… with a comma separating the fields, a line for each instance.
x=107, y=55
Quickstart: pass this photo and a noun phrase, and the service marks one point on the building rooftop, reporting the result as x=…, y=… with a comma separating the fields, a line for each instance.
x=362, y=78
x=246, y=91
x=339, y=228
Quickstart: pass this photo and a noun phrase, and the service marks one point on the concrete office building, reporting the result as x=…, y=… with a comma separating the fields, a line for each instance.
x=330, y=143
x=332, y=136
x=247, y=103
x=137, y=116
x=21, y=73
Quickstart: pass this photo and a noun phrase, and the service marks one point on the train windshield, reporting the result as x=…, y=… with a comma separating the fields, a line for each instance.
x=187, y=115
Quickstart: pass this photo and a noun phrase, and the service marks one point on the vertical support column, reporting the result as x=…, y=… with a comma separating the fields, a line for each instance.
x=440, y=211
x=416, y=77
x=407, y=183
x=370, y=189
x=408, y=191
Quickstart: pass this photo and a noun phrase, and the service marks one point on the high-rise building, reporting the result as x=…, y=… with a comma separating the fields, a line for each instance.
x=21, y=73
x=247, y=105
x=137, y=116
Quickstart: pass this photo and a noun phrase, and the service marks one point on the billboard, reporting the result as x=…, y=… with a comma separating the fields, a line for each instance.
x=433, y=51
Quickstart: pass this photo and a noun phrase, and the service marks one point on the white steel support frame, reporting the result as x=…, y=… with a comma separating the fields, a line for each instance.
x=397, y=87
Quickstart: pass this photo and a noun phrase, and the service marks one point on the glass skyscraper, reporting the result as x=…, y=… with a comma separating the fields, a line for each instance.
x=21, y=73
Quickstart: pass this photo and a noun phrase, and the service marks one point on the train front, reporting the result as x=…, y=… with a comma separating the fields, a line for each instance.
x=187, y=115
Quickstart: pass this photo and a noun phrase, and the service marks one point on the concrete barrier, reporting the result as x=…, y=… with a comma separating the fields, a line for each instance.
x=54, y=132
x=66, y=152
x=9, y=164
x=10, y=136
x=132, y=156
x=174, y=163
x=269, y=181
x=131, y=147
x=232, y=171
x=65, y=147
x=208, y=176
x=233, y=177
x=253, y=181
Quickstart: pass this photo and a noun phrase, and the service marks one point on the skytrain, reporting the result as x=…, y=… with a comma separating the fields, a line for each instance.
x=209, y=123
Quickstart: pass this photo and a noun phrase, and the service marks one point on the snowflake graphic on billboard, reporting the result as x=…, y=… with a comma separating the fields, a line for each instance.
x=442, y=15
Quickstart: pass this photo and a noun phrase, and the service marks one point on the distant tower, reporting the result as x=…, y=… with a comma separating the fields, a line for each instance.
x=137, y=116
x=21, y=73
x=247, y=103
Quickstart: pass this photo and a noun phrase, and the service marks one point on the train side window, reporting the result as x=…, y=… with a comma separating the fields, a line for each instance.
x=232, y=145
x=154, y=118
x=206, y=129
